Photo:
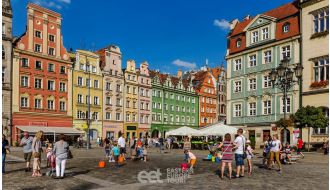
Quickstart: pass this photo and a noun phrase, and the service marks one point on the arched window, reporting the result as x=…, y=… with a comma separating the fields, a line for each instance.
x=238, y=42
x=286, y=27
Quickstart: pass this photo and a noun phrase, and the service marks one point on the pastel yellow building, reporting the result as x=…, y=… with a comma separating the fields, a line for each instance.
x=87, y=92
x=315, y=60
x=131, y=100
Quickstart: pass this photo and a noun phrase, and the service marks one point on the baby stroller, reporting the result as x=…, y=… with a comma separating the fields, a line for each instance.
x=52, y=163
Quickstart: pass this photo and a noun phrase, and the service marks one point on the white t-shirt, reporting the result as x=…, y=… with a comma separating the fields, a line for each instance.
x=240, y=140
x=275, y=146
x=191, y=155
x=121, y=142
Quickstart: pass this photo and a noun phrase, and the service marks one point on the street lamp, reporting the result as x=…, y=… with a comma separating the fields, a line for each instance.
x=282, y=78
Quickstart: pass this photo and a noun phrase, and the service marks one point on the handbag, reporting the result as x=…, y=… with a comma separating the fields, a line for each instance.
x=70, y=156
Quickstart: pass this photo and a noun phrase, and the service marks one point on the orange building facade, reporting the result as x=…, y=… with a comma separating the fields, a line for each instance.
x=42, y=74
x=205, y=86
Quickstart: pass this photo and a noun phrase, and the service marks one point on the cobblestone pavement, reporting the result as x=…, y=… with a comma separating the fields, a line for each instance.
x=83, y=173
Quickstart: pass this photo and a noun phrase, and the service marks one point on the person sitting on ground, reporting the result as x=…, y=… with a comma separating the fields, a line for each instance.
x=191, y=160
x=287, y=154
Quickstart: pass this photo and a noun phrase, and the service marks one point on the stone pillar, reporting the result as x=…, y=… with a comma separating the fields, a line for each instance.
x=45, y=35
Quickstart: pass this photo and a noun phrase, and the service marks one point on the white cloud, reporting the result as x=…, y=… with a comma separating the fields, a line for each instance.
x=186, y=64
x=223, y=24
x=57, y=4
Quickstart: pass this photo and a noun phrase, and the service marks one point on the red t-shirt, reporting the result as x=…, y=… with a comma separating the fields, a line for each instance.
x=300, y=143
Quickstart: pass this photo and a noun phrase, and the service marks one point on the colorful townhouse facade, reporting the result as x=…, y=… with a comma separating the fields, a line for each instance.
x=41, y=85
x=174, y=103
x=131, y=97
x=113, y=84
x=205, y=86
x=144, y=100
x=87, y=92
x=219, y=74
x=255, y=46
x=315, y=60
x=7, y=40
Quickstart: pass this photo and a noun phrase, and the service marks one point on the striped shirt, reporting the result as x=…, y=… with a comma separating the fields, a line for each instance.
x=227, y=150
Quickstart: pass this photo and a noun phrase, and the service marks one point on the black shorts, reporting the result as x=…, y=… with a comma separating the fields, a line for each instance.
x=122, y=150
x=299, y=150
x=27, y=156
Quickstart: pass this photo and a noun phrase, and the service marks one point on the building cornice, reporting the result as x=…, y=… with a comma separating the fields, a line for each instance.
x=41, y=56
x=321, y=91
x=309, y=3
x=262, y=46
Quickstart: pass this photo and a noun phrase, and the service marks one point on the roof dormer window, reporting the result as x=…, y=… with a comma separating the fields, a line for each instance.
x=286, y=27
x=255, y=36
x=238, y=42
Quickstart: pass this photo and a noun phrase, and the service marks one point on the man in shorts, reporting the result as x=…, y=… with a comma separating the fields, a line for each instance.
x=122, y=145
x=26, y=142
x=239, y=153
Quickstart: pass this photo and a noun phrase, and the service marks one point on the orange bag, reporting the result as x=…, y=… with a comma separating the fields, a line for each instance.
x=121, y=159
x=101, y=164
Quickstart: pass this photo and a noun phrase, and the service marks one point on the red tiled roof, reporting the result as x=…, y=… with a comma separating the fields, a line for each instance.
x=279, y=13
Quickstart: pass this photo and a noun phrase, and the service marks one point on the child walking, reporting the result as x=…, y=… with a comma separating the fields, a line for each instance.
x=49, y=151
x=145, y=153
x=191, y=160
x=115, y=153
x=249, y=156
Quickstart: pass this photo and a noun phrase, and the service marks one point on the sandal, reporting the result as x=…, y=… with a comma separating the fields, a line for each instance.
x=34, y=175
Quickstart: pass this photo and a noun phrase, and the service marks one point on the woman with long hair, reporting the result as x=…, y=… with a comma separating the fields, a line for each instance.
x=275, y=147
x=36, y=152
x=227, y=155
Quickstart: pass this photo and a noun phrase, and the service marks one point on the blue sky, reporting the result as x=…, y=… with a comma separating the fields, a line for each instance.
x=169, y=34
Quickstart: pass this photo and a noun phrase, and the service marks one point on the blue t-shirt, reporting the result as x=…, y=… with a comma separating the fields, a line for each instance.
x=115, y=151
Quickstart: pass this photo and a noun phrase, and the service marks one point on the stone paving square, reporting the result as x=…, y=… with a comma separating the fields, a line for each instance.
x=82, y=172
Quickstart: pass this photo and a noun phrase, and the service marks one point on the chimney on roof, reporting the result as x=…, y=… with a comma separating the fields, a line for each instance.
x=179, y=75
x=247, y=17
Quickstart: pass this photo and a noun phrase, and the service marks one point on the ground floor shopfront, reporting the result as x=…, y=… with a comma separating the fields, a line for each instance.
x=257, y=134
x=41, y=120
x=130, y=130
x=95, y=129
x=112, y=129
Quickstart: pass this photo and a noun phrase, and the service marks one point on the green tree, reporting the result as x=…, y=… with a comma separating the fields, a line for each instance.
x=311, y=116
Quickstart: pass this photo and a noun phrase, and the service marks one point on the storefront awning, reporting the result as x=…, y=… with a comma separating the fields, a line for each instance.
x=51, y=130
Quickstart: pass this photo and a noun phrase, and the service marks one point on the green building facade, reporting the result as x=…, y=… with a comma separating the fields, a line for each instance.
x=174, y=103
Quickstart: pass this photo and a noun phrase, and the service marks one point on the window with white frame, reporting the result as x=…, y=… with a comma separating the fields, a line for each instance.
x=62, y=106
x=96, y=116
x=80, y=98
x=118, y=117
x=96, y=100
x=107, y=115
x=51, y=67
x=38, y=65
x=62, y=87
x=286, y=27
x=37, y=34
x=238, y=64
x=88, y=82
x=80, y=81
x=252, y=84
x=267, y=82
x=252, y=108
x=62, y=69
x=88, y=100
x=108, y=86
x=37, y=48
x=24, y=81
x=253, y=60
x=177, y=118
x=51, y=51
x=128, y=117
x=108, y=101
x=285, y=52
x=255, y=37
x=238, y=86
x=50, y=104
x=25, y=62
x=51, y=38
x=51, y=85
x=37, y=83
x=321, y=69
x=238, y=42
x=37, y=103
x=288, y=105
x=321, y=20
x=24, y=102
x=93, y=69
x=193, y=100
x=268, y=56
x=96, y=84
x=267, y=107
x=265, y=33
x=237, y=110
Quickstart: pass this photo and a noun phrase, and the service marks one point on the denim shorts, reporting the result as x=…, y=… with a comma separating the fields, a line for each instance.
x=239, y=159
